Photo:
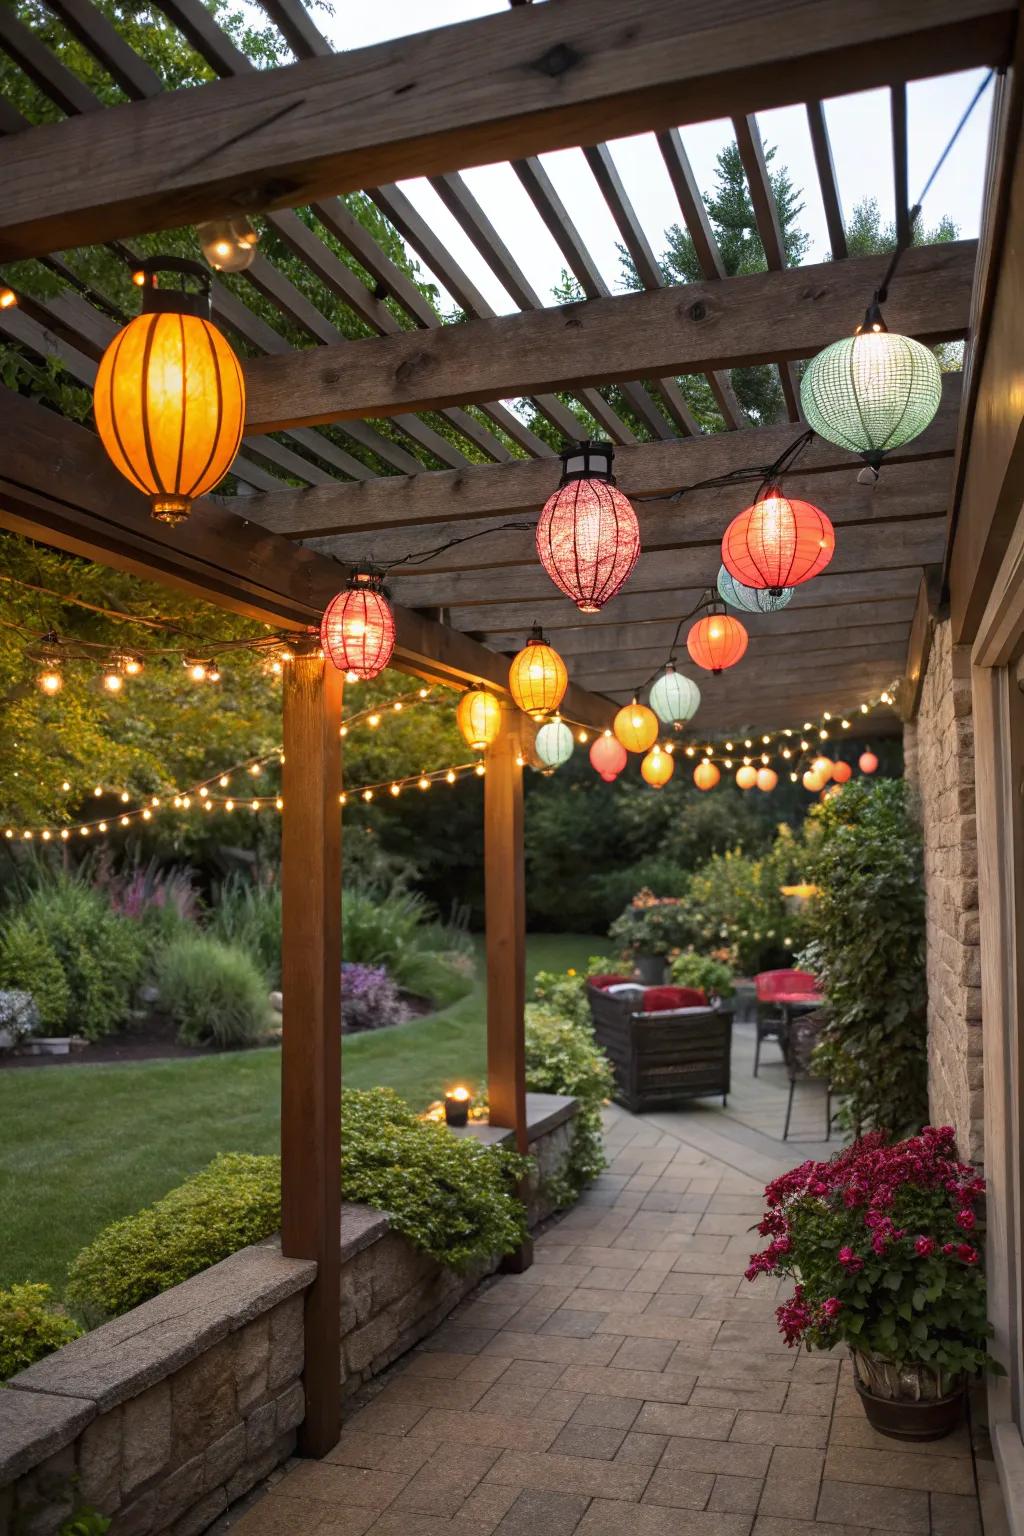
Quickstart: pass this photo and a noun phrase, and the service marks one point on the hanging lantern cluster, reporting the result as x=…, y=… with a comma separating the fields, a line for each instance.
x=717, y=640
x=358, y=627
x=750, y=599
x=478, y=717
x=675, y=699
x=553, y=745
x=588, y=537
x=777, y=543
x=169, y=397
x=537, y=678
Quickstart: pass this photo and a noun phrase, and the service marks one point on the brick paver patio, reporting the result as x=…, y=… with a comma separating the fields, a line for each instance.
x=631, y=1382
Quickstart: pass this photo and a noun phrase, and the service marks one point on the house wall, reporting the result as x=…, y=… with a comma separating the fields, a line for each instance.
x=939, y=762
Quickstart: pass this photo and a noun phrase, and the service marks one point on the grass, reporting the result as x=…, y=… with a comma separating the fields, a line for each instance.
x=82, y=1146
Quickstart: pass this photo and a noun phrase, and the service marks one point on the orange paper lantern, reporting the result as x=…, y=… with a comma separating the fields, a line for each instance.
x=717, y=640
x=537, y=678
x=867, y=762
x=608, y=756
x=822, y=768
x=746, y=777
x=478, y=717
x=778, y=543
x=169, y=396
x=812, y=783
x=841, y=772
x=706, y=775
x=767, y=779
x=657, y=767
x=636, y=727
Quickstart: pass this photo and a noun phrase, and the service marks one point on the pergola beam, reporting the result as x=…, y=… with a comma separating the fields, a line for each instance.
x=691, y=328
x=499, y=88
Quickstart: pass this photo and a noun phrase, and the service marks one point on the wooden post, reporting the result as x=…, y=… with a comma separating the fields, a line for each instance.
x=311, y=1036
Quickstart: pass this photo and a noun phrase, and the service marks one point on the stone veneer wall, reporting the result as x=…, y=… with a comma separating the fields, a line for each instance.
x=939, y=756
x=163, y=1417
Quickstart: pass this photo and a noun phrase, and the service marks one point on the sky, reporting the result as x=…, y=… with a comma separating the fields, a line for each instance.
x=858, y=127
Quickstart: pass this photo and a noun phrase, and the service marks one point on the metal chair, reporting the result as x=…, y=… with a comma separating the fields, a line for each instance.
x=798, y=1039
x=778, y=995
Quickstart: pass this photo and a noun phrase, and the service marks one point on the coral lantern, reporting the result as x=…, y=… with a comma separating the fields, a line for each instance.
x=169, y=398
x=706, y=774
x=537, y=678
x=636, y=727
x=767, y=779
x=358, y=628
x=658, y=767
x=478, y=717
x=746, y=777
x=841, y=772
x=588, y=537
x=717, y=640
x=778, y=543
x=608, y=757
x=867, y=762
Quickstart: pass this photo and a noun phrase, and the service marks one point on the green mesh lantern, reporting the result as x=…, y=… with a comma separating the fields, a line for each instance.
x=750, y=599
x=553, y=745
x=872, y=391
x=674, y=698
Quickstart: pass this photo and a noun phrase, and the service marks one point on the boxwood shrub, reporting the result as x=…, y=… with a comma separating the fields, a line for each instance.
x=30, y=1327
x=452, y=1198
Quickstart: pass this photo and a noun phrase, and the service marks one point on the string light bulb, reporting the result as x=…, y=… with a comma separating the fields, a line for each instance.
x=229, y=244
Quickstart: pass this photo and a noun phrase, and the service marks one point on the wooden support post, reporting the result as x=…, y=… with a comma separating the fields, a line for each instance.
x=311, y=1036
x=505, y=903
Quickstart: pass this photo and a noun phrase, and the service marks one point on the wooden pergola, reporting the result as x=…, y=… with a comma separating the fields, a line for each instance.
x=507, y=88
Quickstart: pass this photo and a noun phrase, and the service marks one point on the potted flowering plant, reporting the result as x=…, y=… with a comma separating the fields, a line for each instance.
x=649, y=929
x=882, y=1244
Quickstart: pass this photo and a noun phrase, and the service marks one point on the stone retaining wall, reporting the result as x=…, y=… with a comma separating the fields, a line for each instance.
x=162, y=1417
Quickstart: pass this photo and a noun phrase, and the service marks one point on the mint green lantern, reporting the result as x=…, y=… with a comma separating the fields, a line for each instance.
x=751, y=599
x=674, y=698
x=871, y=392
x=553, y=745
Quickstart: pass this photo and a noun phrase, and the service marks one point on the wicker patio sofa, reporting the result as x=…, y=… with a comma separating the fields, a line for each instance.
x=662, y=1055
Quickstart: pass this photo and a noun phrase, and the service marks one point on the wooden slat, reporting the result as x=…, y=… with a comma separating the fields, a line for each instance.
x=689, y=329
x=757, y=670
x=766, y=215
x=297, y=28
x=44, y=69
x=504, y=86
x=827, y=183
x=92, y=28
x=837, y=646
x=541, y=191
x=311, y=1036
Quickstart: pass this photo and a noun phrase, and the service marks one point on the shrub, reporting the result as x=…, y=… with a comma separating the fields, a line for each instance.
x=400, y=931
x=450, y=1197
x=883, y=1243
x=562, y=1056
x=247, y=915
x=19, y=1015
x=213, y=993
x=29, y=963
x=652, y=925
x=867, y=950
x=30, y=1328
x=565, y=992
x=713, y=976
x=736, y=902
x=369, y=999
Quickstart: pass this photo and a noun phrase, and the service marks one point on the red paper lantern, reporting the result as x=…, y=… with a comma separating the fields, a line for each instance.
x=608, y=756
x=867, y=762
x=841, y=772
x=717, y=640
x=358, y=627
x=778, y=543
x=588, y=537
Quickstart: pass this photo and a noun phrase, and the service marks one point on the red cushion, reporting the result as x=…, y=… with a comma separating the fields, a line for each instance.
x=661, y=999
x=600, y=982
x=772, y=984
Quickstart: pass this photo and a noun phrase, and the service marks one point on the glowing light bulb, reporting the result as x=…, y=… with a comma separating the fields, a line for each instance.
x=113, y=682
x=450, y=777
x=423, y=781
x=367, y=794
x=395, y=790
x=229, y=805
x=50, y=681
x=479, y=770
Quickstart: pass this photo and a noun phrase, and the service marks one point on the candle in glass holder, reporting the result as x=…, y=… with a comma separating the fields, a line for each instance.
x=456, y=1106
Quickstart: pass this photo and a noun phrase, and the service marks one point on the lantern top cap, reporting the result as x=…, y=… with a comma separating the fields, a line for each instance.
x=536, y=636
x=873, y=321
x=587, y=460
x=173, y=301
x=366, y=579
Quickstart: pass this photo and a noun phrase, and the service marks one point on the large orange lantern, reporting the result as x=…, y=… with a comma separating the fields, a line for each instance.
x=357, y=631
x=812, y=783
x=537, y=677
x=657, y=767
x=767, y=779
x=636, y=727
x=706, y=774
x=588, y=537
x=867, y=762
x=717, y=640
x=608, y=757
x=778, y=543
x=169, y=397
x=822, y=768
x=746, y=777
x=841, y=772
x=478, y=717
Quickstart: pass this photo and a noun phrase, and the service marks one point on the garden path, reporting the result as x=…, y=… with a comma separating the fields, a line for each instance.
x=631, y=1378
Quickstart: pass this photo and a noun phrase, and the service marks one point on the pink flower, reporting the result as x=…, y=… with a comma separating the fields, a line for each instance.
x=850, y=1261
x=949, y=1249
x=831, y=1306
x=924, y=1247
x=968, y=1254
x=965, y=1219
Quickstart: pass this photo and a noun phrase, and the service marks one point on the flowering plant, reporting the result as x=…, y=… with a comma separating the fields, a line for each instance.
x=369, y=999
x=883, y=1243
x=652, y=925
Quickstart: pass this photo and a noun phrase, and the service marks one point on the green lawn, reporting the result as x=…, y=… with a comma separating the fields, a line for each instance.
x=81, y=1146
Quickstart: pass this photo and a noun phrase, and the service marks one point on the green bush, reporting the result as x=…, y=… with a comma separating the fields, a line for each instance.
x=29, y=963
x=214, y=994
x=30, y=1328
x=714, y=977
x=565, y=992
x=868, y=952
x=653, y=925
x=247, y=915
x=735, y=905
x=400, y=931
x=562, y=1056
x=450, y=1197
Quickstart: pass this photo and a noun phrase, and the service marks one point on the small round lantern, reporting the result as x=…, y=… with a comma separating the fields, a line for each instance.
x=750, y=599
x=636, y=727
x=537, y=677
x=674, y=698
x=657, y=767
x=717, y=640
x=608, y=757
x=746, y=777
x=778, y=543
x=478, y=717
x=706, y=774
x=767, y=779
x=553, y=744
x=588, y=538
x=841, y=772
x=358, y=628
x=169, y=397
x=822, y=768
x=867, y=762
x=872, y=391
x=811, y=782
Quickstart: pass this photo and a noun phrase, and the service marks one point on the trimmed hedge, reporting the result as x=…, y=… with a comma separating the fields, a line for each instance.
x=30, y=1328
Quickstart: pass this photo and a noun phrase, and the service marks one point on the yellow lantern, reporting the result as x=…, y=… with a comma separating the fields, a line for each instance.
x=169, y=396
x=479, y=718
x=706, y=775
x=767, y=779
x=811, y=782
x=537, y=678
x=636, y=727
x=657, y=767
x=746, y=777
x=822, y=768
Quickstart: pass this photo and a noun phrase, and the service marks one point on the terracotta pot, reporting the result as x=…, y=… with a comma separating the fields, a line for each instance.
x=908, y=1402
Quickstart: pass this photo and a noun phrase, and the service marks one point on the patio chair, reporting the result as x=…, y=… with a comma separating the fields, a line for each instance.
x=776, y=992
x=798, y=1042
x=661, y=1054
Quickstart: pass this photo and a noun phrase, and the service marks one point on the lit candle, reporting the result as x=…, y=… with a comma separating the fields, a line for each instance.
x=456, y=1106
